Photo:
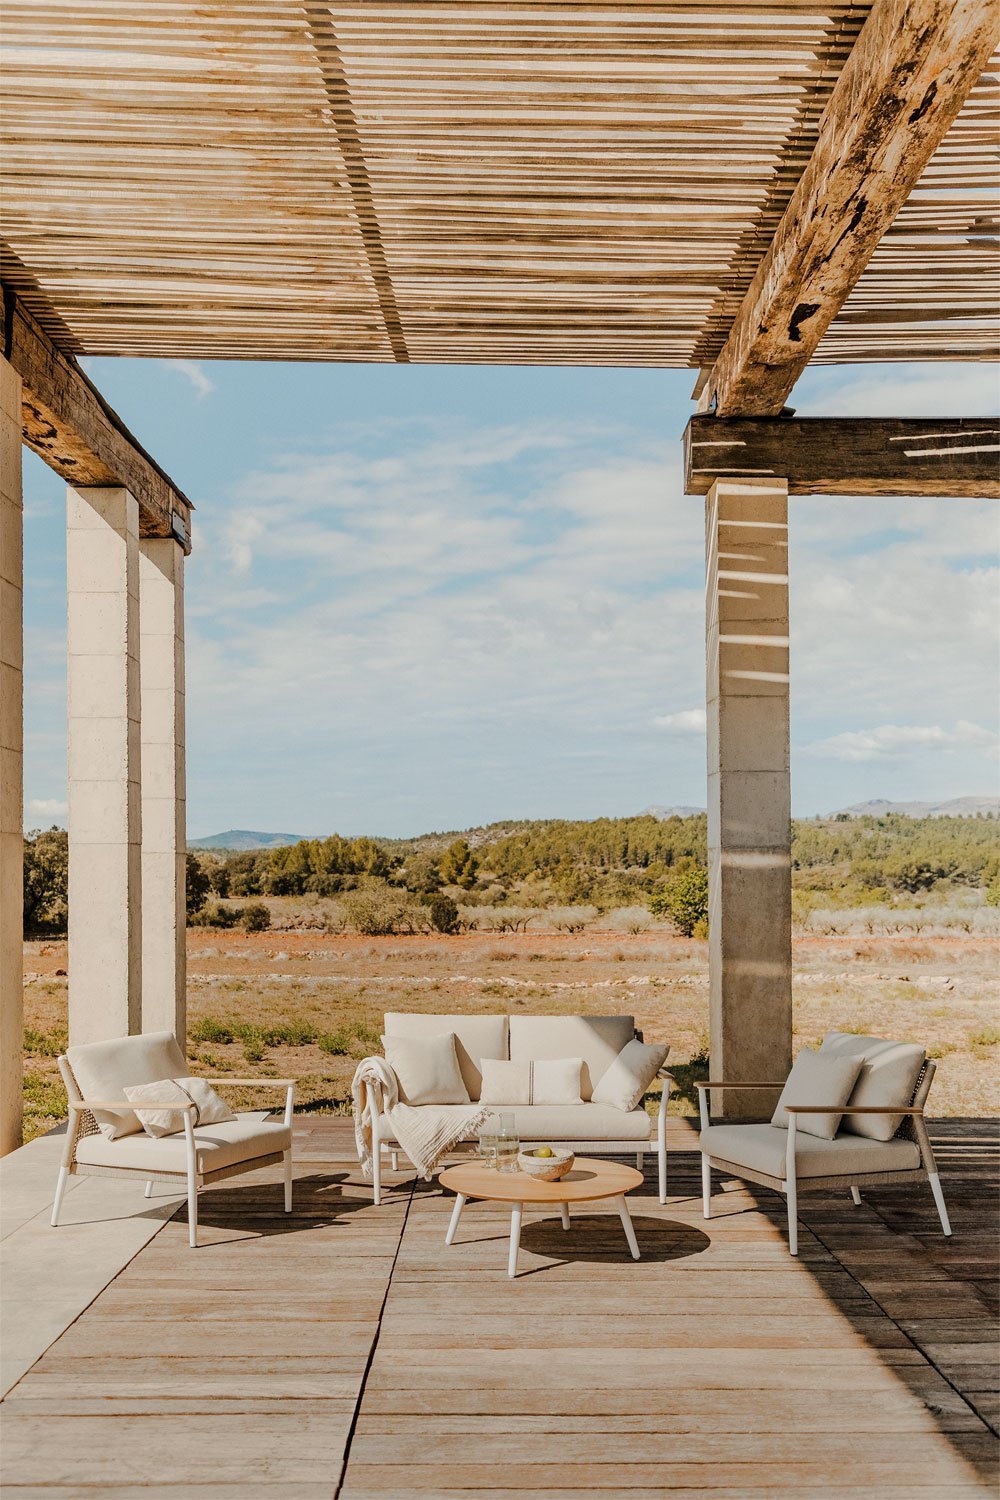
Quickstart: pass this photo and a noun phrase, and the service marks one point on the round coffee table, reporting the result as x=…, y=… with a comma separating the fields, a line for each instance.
x=588, y=1181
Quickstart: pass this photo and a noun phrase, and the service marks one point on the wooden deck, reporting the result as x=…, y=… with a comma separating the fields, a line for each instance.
x=345, y=1352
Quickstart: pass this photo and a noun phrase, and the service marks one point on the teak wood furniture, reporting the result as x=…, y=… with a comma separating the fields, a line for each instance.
x=588, y=1182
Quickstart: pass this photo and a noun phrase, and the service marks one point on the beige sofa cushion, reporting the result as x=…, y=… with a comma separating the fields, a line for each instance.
x=546, y=1123
x=762, y=1148
x=630, y=1075
x=475, y=1037
x=596, y=1040
x=889, y=1072
x=817, y=1078
x=426, y=1068
x=103, y=1069
x=241, y=1139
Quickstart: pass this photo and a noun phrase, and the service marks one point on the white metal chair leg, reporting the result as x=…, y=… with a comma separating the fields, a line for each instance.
x=288, y=1182
x=456, y=1214
x=564, y=1214
x=394, y=1159
x=706, y=1187
x=791, y=1190
x=622, y=1206
x=149, y=1190
x=638, y=1162
x=192, y=1213
x=661, y=1153
x=60, y=1190
x=515, y=1237
x=855, y=1195
x=935, y=1182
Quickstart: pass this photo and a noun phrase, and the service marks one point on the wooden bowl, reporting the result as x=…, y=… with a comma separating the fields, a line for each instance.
x=546, y=1168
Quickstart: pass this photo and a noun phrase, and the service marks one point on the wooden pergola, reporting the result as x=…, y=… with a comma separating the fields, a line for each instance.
x=739, y=190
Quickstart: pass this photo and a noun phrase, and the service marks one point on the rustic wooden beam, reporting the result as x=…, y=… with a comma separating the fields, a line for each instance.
x=946, y=456
x=907, y=76
x=67, y=422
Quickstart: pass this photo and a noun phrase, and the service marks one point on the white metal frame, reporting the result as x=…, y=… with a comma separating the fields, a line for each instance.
x=913, y=1120
x=81, y=1114
x=516, y=1216
x=588, y=1148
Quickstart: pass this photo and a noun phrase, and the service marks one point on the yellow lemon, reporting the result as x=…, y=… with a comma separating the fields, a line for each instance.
x=545, y=1151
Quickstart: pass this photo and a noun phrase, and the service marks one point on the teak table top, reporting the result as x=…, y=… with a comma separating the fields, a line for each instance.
x=589, y=1179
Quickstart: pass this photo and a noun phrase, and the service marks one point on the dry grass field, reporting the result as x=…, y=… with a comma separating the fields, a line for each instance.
x=308, y=1004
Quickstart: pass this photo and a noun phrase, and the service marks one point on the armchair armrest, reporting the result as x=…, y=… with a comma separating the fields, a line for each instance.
x=732, y=1083
x=170, y=1107
x=288, y=1084
x=853, y=1109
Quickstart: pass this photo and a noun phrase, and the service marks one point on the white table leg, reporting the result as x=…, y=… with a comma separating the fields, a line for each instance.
x=456, y=1214
x=626, y=1218
x=565, y=1215
x=515, y=1237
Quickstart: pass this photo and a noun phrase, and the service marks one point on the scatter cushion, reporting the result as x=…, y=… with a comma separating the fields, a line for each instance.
x=889, y=1072
x=102, y=1070
x=630, y=1075
x=476, y=1037
x=817, y=1079
x=554, y=1080
x=158, y=1122
x=212, y=1108
x=426, y=1068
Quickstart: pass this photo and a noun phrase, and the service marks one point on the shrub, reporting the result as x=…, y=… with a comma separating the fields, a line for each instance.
x=45, y=1043
x=254, y=1040
x=197, y=884
x=683, y=898
x=255, y=918
x=380, y=911
x=444, y=914
x=989, y=1036
x=355, y=1040
x=216, y=916
x=208, y=1029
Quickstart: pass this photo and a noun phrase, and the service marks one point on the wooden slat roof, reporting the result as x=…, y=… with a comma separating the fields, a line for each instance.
x=451, y=181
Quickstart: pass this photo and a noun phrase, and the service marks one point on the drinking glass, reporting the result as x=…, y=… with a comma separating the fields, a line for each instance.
x=488, y=1146
x=508, y=1144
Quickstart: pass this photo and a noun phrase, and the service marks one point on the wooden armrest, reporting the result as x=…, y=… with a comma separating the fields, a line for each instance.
x=269, y=1083
x=851, y=1109
x=730, y=1083
x=172, y=1105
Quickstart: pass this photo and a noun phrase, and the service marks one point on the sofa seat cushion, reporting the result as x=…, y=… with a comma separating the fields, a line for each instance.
x=596, y=1040
x=762, y=1148
x=561, y=1122
x=102, y=1070
x=475, y=1037
x=217, y=1146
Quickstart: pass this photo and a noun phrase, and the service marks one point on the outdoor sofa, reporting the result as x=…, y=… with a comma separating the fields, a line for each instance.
x=589, y=1127
x=850, y=1116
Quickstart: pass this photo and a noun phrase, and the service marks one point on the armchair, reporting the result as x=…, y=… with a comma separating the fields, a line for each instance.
x=788, y=1160
x=96, y=1076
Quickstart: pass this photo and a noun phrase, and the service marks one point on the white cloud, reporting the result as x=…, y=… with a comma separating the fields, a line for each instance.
x=899, y=390
x=192, y=371
x=687, y=721
x=46, y=807
x=891, y=742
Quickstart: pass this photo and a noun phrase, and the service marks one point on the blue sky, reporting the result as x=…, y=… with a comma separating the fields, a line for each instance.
x=429, y=597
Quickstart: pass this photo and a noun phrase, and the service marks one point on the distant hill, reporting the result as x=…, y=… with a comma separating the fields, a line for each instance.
x=656, y=811
x=955, y=807
x=244, y=838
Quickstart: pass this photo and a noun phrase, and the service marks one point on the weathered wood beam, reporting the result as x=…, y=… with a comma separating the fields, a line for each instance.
x=906, y=78
x=67, y=422
x=947, y=456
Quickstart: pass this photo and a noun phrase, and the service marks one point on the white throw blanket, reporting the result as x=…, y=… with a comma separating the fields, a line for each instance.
x=424, y=1132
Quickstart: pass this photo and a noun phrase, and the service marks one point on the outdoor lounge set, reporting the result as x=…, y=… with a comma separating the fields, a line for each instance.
x=850, y=1115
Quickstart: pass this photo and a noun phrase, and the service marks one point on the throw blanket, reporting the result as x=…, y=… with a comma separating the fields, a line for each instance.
x=424, y=1132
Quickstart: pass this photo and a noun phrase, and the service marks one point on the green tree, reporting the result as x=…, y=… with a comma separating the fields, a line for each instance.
x=443, y=913
x=198, y=885
x=46, y=880
x=683, y=898
x=459, y=865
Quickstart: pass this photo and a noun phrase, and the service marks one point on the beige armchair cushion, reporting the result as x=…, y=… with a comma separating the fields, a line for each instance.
x=761, y=1148
x=241, y=1139
x=426, y=1068
x=475, y=1037
x=596, y=1040
x=889, y=1072
x=630, y=1075
x=547, y=1123
x=103, y=1070
x=817, y=1078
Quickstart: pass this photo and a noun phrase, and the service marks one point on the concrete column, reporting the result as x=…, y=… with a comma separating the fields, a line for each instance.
x=749, y=814
x=105, y=855
x=161, y=634
x=11, y=760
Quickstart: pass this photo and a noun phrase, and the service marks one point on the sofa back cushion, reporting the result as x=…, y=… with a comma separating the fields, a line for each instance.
x=476, y=1037
x=103, y=1070
x=597, y=1040
x=888, y=1076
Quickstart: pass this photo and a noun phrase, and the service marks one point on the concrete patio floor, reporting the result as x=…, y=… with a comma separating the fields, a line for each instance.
x=344, y=1351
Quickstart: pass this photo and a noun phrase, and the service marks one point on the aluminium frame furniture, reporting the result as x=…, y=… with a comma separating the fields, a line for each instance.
x=82, y=1124
x=587, y=1182
x=912, y=1128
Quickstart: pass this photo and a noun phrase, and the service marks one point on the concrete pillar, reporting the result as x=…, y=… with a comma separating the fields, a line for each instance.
x=749, y=811
x=105, y=874
x=11, y=761
x=161, y=635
